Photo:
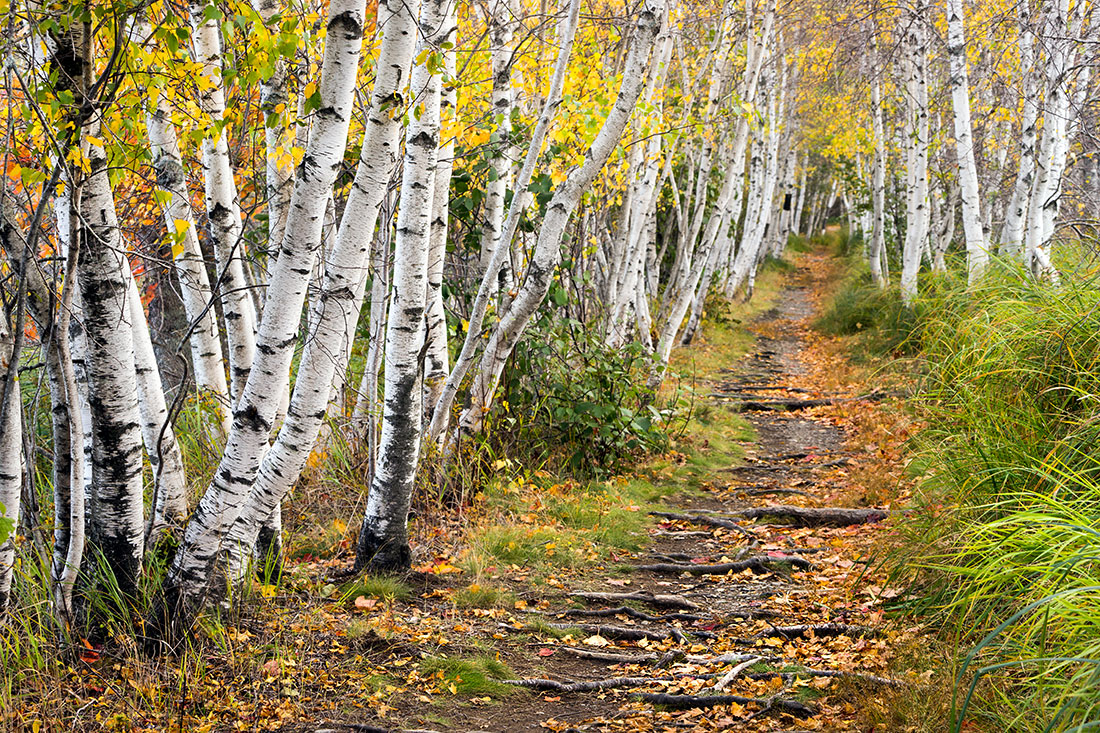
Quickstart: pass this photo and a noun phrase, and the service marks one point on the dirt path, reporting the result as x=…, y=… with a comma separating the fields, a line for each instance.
x=756, y=607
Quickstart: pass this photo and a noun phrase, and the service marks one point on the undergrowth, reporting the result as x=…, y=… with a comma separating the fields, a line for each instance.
x=1001, y=550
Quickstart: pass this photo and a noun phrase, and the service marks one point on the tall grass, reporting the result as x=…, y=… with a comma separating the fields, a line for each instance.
x=1004, y=551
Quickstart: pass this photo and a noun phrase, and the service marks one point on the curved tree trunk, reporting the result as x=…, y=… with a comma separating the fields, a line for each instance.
x=194, y=575
x=222, y=205
x=558, y=211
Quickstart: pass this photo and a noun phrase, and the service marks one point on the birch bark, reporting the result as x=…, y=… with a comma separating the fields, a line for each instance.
x=441, y=414
x=1012, y=233
x=222, y=204
x=335, y=311
x=383, y=538
x=115, y=524
x=977, y=249
x=11, y=456
x=194, y=574
x=190, y=268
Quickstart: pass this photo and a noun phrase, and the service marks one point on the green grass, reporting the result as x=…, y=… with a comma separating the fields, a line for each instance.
x=477, y=595
x=382, y=587
x=477, y=677
x=1002, y=553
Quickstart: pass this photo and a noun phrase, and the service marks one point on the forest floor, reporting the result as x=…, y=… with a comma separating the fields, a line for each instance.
x=738, y=583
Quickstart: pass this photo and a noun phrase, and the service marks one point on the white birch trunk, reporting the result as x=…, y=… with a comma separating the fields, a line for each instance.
x=165, y=459
x=1012, y=234
x=195, y=574
x=383, y=538
x=437, y=353
x=502, y=15
x=279, y=138
x=878, y=172
x=206, y=349
x=11, y=457
x=335, y=311
x=115, y=523
x=441, y=414
x=917, y=226
x=222, y=205
x=977, y=249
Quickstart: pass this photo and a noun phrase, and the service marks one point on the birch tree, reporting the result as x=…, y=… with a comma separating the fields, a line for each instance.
x=335, y=310
x=977, y=250
x=222, y=203
x=11, y=456
x=194, y=572
x=115, y=515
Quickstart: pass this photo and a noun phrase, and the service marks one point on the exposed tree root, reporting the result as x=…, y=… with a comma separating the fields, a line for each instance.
x=687, y=702
x=752, y=491
x=816, y=517
x=632, y=613
x=658, y=600
x=760, y=564
x=623, y=632
x=707, y=520
x=552, y=685
x=608, y=656
x=788, y=632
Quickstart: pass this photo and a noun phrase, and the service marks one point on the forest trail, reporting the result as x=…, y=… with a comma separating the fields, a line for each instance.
x=759, y=603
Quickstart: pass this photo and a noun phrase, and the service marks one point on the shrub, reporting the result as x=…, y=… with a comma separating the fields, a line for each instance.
x=579, y=403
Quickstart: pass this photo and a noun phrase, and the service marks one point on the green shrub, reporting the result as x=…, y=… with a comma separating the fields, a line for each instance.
x=578, y=403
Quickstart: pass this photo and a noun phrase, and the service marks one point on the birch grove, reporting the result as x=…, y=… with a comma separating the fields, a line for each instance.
x=245, y=244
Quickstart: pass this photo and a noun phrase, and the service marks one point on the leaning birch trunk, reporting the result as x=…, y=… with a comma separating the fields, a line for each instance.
x=165, y=459
x=194, y=575
x=501, y=17
x=222, y=205
x=335, y=310
x=383, y=538
x=560, y=208
x=436, y=351
x=977, y=250
x=1012, y=234
x=11, y=457
x=878, y=174
x=187, y=259
x=441, y=414
x=115, y=523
